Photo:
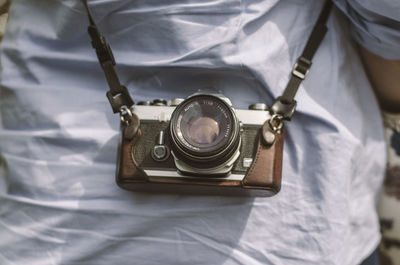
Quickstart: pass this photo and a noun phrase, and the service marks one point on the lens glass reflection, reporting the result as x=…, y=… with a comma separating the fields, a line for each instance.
x=203, y=130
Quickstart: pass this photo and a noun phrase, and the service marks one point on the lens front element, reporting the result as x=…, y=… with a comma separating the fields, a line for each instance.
x=204, y=128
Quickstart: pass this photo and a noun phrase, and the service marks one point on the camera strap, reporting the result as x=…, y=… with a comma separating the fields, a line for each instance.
x=118, y=95
x=284, y=106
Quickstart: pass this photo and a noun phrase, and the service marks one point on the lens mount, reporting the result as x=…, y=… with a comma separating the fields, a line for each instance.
x=204, y=131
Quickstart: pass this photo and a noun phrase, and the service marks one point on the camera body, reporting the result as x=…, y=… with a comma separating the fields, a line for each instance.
x=199, y=145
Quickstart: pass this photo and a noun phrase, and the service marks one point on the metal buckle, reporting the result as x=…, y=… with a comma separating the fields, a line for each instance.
x=301, y=68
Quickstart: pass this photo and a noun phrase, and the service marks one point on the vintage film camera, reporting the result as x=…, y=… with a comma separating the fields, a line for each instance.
x=200, y=145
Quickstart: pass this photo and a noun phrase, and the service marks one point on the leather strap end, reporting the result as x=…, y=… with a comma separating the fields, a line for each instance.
x=266, y=170
x=128, y=167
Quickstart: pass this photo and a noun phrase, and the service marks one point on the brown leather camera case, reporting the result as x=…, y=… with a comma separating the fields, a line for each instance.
x=262, y=179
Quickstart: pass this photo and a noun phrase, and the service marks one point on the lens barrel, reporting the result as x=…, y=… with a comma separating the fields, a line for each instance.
x=204, y=131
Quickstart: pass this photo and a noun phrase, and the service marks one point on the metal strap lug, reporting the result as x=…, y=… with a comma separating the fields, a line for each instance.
x=276, y=123
x=125, y=114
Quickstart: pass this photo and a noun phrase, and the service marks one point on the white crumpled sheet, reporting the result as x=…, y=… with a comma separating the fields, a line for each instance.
x=58, y=137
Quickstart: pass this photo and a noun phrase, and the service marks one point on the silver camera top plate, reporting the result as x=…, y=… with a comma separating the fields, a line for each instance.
x=163, y=114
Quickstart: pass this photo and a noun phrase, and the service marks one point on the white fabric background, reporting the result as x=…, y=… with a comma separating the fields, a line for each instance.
x=58, y=137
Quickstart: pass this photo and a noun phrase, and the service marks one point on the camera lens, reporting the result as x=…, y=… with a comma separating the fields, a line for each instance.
x=204, y=131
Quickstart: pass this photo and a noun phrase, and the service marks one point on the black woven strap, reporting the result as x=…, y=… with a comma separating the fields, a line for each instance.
x=285, y=105
x=118, y=95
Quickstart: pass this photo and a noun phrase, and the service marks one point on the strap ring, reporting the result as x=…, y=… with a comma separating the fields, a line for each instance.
x=125, y=115
x=276, y=122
